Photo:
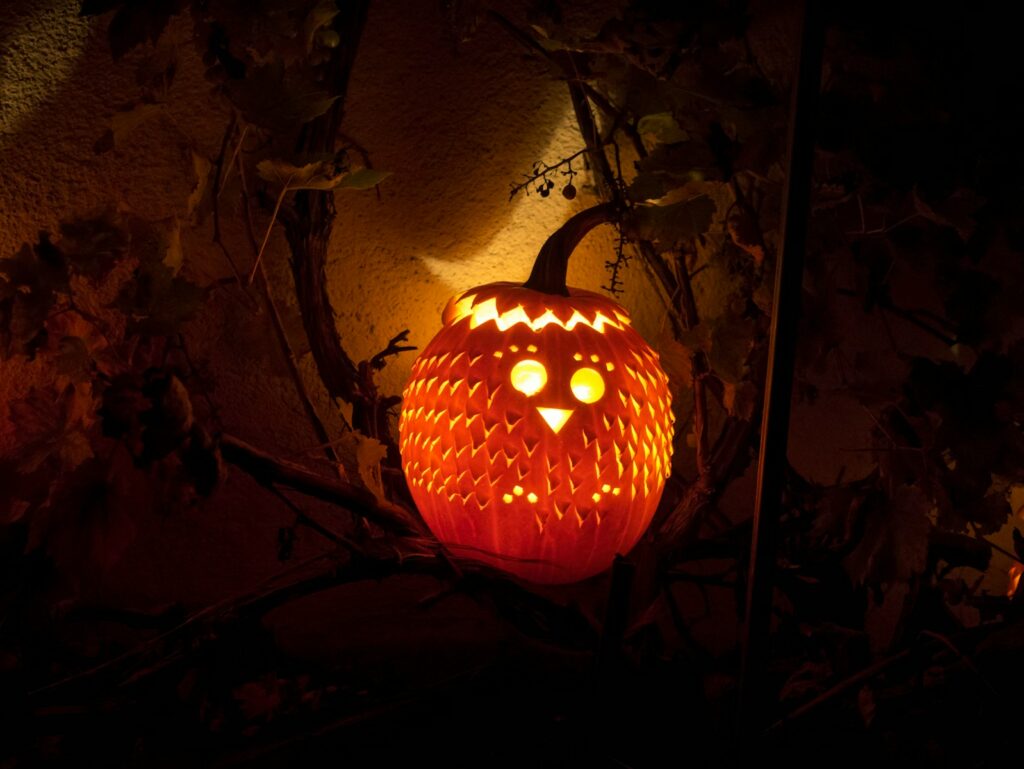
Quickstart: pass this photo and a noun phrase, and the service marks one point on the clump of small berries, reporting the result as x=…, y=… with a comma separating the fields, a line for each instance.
x=546, y=185
x=568, y=191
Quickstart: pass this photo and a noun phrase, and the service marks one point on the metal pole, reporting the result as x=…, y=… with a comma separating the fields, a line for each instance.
x=772, y=457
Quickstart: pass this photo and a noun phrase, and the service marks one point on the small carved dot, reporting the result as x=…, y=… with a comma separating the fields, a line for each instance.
x=532, y=497
x=577, y=356
x=507, y=498
x=596, y=496
x=594, y=358
x=531, y=348
x=606, y=488
x=517, y=490
x=513, y=347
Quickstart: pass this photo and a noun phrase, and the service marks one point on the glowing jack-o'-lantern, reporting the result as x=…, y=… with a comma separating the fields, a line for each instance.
x=536, y=428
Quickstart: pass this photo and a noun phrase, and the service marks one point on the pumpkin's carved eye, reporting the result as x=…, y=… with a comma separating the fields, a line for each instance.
x=529, y=377
x=587, y=385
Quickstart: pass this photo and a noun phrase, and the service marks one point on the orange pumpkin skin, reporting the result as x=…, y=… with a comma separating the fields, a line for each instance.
x=508, y=465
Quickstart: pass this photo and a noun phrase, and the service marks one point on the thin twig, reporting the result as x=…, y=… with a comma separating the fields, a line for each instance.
x=158, y=640
x=304, y=519
x=291, y=360
x=234, y=157
x=843, y=686
x=1003, y=550
x=911, y=318
x=966, y=659
x=217, y=236
x=273, y=220
x=392, y=349
x=268, y=469
x=540, y=170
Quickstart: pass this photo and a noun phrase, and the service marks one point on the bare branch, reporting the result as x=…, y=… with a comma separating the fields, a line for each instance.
x=541, y=170
x=268, y=469
x=393, y=348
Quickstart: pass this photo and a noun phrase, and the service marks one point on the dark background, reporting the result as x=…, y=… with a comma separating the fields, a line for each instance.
x=166, y=599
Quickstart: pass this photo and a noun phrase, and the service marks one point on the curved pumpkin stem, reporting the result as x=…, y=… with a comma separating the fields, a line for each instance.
x=549, y=270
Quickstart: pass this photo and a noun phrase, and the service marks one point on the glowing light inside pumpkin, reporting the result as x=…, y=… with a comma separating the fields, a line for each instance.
x=556, y=418
x=485, y=469
x=587, y=385
x=529, y=376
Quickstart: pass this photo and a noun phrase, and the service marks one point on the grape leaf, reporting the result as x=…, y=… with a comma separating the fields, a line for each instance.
x=200, y=201
x=29, y=285
x=677, y=223
x=167, y=423
x=730, y=343
x=362, y=179
x=361, y=457
x=894, y=547
x=808, y=680
x=135, y=22
x=745, y=233
x=88, y=521
x=884, y=617
x=956, y=211
x=259, y=700
x=202, y=462
x=157, y=301
x=23, y=492
x=155, y=73
x=318, y=175
x=152, y=414
x=740, y=399
x=32, y=281
x=52, y=425
x=671, y=166
x=280, y=102
x=319, y=16
x=677, y=360
x=93, y=247
x=123, y=123
x=663, y=127
x=73, y=359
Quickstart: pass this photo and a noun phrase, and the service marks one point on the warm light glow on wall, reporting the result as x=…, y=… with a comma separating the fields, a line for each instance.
x=529, y=219
x=41, y=51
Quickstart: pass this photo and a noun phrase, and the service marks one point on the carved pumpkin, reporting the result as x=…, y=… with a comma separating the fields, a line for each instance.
x=536, y=428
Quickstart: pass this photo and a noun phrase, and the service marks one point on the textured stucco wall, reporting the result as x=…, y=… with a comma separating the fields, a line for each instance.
x=455, y=127
x=456, y=130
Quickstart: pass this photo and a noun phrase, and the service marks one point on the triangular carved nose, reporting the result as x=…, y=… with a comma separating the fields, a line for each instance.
x=556, y=418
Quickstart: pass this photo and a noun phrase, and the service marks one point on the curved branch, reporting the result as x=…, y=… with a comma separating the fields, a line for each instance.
x=552, y=263
x=308, y=231
x=267, y=469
